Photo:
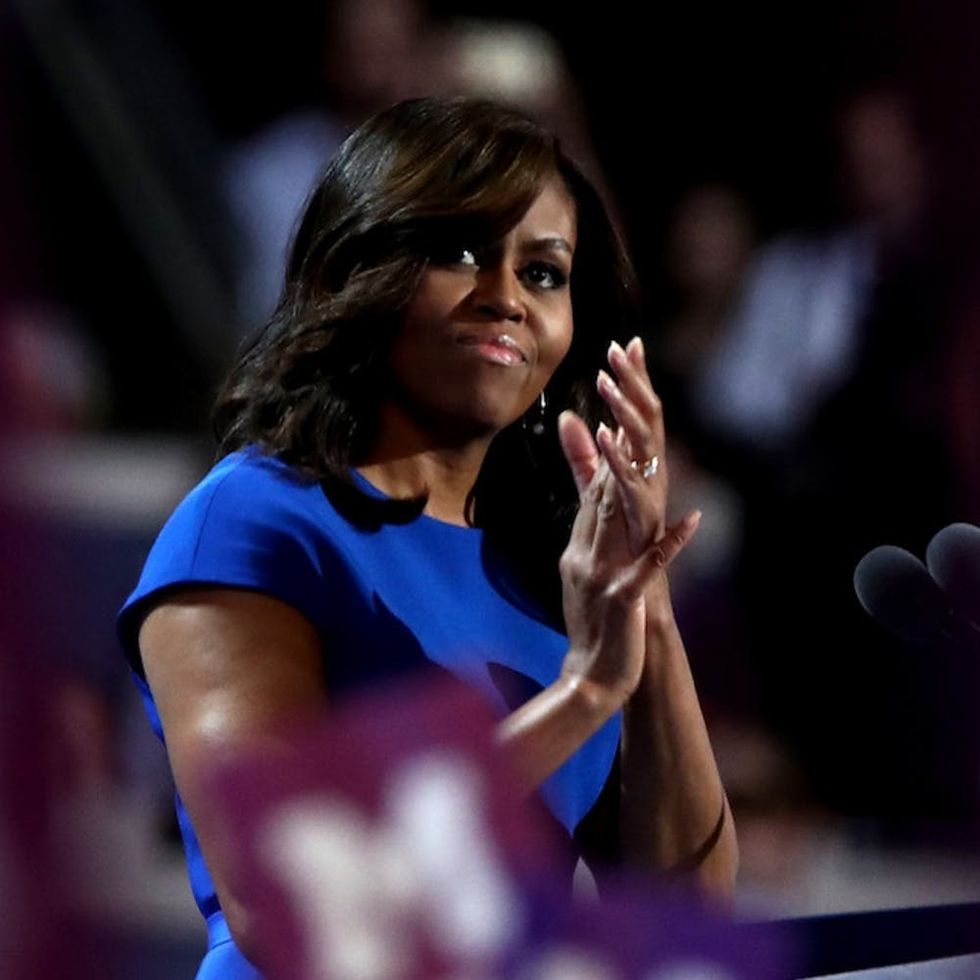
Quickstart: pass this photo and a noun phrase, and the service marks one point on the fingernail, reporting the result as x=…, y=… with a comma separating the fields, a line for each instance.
x=636, y=346
x=614, y=348
x=604, y=381
x=602, y=430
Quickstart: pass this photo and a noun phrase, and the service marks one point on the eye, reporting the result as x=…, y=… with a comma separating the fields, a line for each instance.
x=545, y=275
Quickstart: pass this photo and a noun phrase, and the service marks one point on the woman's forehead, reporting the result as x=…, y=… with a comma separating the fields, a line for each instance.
x=551, y=218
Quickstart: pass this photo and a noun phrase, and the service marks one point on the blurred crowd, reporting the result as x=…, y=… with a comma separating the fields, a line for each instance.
x=818, y=360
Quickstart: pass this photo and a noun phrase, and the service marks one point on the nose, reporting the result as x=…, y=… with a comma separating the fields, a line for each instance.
x=499, y=293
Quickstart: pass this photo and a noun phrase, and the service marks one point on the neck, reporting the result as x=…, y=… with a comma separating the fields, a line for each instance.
x=408, y=460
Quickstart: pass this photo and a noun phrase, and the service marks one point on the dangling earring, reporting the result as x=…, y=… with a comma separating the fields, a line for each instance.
x=537, y=424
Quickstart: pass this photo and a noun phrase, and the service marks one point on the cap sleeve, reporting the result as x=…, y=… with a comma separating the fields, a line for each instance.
x=252, y=523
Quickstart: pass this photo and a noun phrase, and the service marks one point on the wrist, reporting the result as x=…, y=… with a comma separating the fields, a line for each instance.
x=660, y=621
x=595, y=698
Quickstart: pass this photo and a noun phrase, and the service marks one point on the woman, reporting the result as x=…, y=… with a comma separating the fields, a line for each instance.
x=394, y=489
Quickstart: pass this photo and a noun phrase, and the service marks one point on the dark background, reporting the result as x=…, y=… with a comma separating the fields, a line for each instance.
x=674, y=96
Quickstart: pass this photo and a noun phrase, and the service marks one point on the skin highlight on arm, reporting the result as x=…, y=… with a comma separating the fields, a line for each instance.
x=228, y=669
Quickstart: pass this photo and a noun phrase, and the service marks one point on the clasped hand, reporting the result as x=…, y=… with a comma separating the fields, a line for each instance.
x=620, y=544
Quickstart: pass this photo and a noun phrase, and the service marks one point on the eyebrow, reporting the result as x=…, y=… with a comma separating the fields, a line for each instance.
x=557, y=243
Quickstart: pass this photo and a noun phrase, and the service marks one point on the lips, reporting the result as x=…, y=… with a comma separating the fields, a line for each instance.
x=500, y=348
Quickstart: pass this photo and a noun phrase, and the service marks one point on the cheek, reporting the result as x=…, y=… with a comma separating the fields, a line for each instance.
x=569, y=334
x=435, y=299
x=416, y=321
x=562, y=341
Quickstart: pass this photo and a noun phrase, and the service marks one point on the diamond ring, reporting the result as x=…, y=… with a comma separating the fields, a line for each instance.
x=649, y=466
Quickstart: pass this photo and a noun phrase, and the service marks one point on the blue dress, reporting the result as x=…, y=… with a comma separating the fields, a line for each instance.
x=382, y=601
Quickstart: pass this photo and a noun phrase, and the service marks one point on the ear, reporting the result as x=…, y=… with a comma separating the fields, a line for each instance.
x=579, y=448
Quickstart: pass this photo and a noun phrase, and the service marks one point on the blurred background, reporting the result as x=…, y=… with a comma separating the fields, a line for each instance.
x=800, y=191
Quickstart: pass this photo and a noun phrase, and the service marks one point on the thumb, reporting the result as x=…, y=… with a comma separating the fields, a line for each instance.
x=661, y=553
x=579, y=448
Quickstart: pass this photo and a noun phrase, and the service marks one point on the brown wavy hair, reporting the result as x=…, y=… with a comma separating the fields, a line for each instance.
x=409, y=182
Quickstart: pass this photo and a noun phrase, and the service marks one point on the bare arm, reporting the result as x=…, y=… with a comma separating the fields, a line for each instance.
x=227, y=668
x=232, y=667
x=674, y=815
x=603, y=597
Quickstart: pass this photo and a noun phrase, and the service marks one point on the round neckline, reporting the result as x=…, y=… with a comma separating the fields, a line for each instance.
x=374, y=491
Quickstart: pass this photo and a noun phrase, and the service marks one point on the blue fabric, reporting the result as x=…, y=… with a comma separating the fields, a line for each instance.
x=223, y=960
x=383, y=601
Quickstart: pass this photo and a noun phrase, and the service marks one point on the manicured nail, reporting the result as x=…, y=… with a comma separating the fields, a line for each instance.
x=602, y=431
x=615, y=349
x=635, y=347
x=606, y=384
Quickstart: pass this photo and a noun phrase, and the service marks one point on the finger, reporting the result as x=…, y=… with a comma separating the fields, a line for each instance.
x=644, y=438
x=637, y=355
x=622, y=440
x=633, y=378
x=642, y=504
x=616, y=451
x=655, y=446
x=603, y=502
x=635, y=458
x=634, y=383
x=664, y=551
x=579, y=449
x=595, y=500
x=608, y=506
x=677, y=537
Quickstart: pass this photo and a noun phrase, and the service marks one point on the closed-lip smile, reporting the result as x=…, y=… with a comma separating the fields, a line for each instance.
x=489, y=340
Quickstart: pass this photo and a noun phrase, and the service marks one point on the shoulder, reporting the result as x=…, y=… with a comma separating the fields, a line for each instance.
x=250, y=487
x=252, y=468
x=253, y=522
x=247, y=498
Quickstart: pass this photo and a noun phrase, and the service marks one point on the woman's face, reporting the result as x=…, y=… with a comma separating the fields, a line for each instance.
x=486, y=329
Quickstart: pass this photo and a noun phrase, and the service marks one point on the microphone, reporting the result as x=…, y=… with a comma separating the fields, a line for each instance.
x=953, y=557
x=897, y=591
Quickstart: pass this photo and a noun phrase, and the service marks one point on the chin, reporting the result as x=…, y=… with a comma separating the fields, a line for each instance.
x=465, y=412
x=492, y=416
x=477, y=427
x=477, y=423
